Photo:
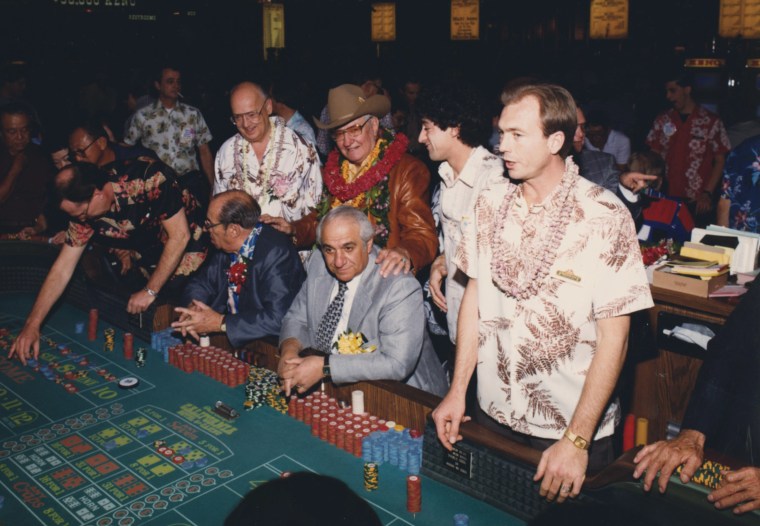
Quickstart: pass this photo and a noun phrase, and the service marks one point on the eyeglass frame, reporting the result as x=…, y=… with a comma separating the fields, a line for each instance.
x=255, y=116
x=80, y=153
x=208, y=225
x=352, y=132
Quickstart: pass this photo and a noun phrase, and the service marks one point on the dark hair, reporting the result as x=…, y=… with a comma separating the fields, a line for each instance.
x=597, y=118
x=91, y=127
x=86, y=178
x=158, y=72
x=682, y=77
x=557, y=109
x=16, y=108
x=303, y=499
x=456, y=105
x=647, y=162
x=239, y=208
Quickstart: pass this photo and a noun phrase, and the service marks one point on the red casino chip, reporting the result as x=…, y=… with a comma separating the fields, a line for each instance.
x=167, y=452
x=178, y=459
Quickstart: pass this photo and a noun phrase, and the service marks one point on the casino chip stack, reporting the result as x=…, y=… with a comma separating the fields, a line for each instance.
x=162, y=340
x=460, y=519
x=413, y=494
x=371, y=476
x=365, y=436
x=708, y=475
x=214, y=362
x=109, y=335
x=262, y=389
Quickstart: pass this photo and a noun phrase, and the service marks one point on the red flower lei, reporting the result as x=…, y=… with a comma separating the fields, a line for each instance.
x=345, y=191
x=237, y=274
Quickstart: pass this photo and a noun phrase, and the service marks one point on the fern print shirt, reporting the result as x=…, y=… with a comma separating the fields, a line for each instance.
x=534, y=353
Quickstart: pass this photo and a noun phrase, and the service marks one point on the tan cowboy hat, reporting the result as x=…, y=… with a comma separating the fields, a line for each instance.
x=347, y=102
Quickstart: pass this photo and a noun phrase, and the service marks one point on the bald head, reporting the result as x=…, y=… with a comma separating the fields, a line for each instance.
x=235, y=207
x=251, y=108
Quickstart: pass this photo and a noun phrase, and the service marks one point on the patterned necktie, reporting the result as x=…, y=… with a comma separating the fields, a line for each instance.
x=329, y=322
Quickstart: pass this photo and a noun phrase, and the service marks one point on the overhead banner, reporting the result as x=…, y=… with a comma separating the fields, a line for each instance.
x=383, y=22
x=608, y=19
x=274, y=26
x=465, y=19
x=739, y=18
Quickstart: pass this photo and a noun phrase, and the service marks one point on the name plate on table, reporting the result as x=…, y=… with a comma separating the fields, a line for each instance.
x=459, y=460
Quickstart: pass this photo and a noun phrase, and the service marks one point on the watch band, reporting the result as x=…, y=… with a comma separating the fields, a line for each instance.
x=151, y=292
x=223, y=324
x=578, y=441
x=326, y=366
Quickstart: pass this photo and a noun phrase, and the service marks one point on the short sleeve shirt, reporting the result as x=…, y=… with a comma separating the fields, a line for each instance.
x=174, y=134
x=741, y=186
x=688, y=148
x=454, y=207
x=145, y=194
x=534, y=354
x=286, y=183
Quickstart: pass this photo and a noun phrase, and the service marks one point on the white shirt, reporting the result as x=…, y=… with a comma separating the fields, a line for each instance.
x=455, y=209
x=348, y=301
x=617, y=145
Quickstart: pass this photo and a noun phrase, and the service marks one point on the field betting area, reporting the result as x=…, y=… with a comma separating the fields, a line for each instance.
x=76, y=449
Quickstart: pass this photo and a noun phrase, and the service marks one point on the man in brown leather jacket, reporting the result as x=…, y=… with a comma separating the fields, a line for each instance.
x=371, y=170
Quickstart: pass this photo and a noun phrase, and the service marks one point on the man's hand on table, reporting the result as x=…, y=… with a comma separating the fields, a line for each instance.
x=198, y=318
x=740, y=487
x=27, y=344
x=139, y=302
x=448, y=416
x=665, y=456
x=562, y=470
x=300, y=373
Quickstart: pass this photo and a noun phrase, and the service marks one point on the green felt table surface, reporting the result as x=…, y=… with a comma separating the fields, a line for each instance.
x=75, y=458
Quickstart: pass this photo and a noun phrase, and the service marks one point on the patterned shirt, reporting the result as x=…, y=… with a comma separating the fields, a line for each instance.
x=741, y=185
x=688, y=148
x=146, y=193
x=174, y=134
x=286, y=183
x=534, y=354
x=455, y=207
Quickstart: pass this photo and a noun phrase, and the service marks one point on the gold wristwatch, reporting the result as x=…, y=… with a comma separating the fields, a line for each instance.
x=578, y=441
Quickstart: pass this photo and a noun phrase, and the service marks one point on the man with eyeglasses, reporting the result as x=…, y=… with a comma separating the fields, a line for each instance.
x=267, y=160
x=247, y=285
x=25, y=171
x=176, y=132
x=140, y=209
x=371, y=170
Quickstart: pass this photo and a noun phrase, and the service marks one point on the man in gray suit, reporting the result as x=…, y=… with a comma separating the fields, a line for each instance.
x=344, y=291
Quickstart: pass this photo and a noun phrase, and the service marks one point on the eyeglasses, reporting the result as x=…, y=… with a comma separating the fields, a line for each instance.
x=254, y=116
x=208, y=225
x=80, y=153
x=351, y=133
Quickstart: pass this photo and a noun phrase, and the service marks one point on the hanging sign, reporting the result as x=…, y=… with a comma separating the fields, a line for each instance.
x=608, y=19
x=465, y=19
x=383, y=22
x=739, y=18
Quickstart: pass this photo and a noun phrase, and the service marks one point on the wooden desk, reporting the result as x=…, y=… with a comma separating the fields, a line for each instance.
x=663, y=383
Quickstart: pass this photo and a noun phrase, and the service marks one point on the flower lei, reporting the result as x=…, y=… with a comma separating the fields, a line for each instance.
x=369, y=191
x=352, y=343
x=241, y=150
x=237, y=274
x=520, y=273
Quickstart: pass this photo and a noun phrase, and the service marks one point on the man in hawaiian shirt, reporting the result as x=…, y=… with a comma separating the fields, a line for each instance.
x=135, y=205
x=175, y=131
x=554, y=271
x=694, y=143
x=739, y=205
x=246, y=287
x=266, y=159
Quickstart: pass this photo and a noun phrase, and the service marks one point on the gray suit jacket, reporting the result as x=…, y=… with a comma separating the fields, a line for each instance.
x=388, y=311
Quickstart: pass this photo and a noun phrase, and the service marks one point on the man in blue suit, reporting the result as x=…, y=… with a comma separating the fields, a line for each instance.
x=345, y=293
x=246, y=287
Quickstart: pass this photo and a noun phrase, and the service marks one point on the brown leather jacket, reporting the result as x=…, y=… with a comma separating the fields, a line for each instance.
x=410, y=219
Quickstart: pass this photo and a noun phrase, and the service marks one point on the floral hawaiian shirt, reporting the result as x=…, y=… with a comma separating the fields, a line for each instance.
x=688, y=148
x=741, y=185
x=286, y=183
x=534, y=354
x=145, y=194
x=174, y=134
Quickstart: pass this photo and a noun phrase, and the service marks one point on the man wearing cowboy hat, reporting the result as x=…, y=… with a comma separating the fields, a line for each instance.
x=371, y=170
